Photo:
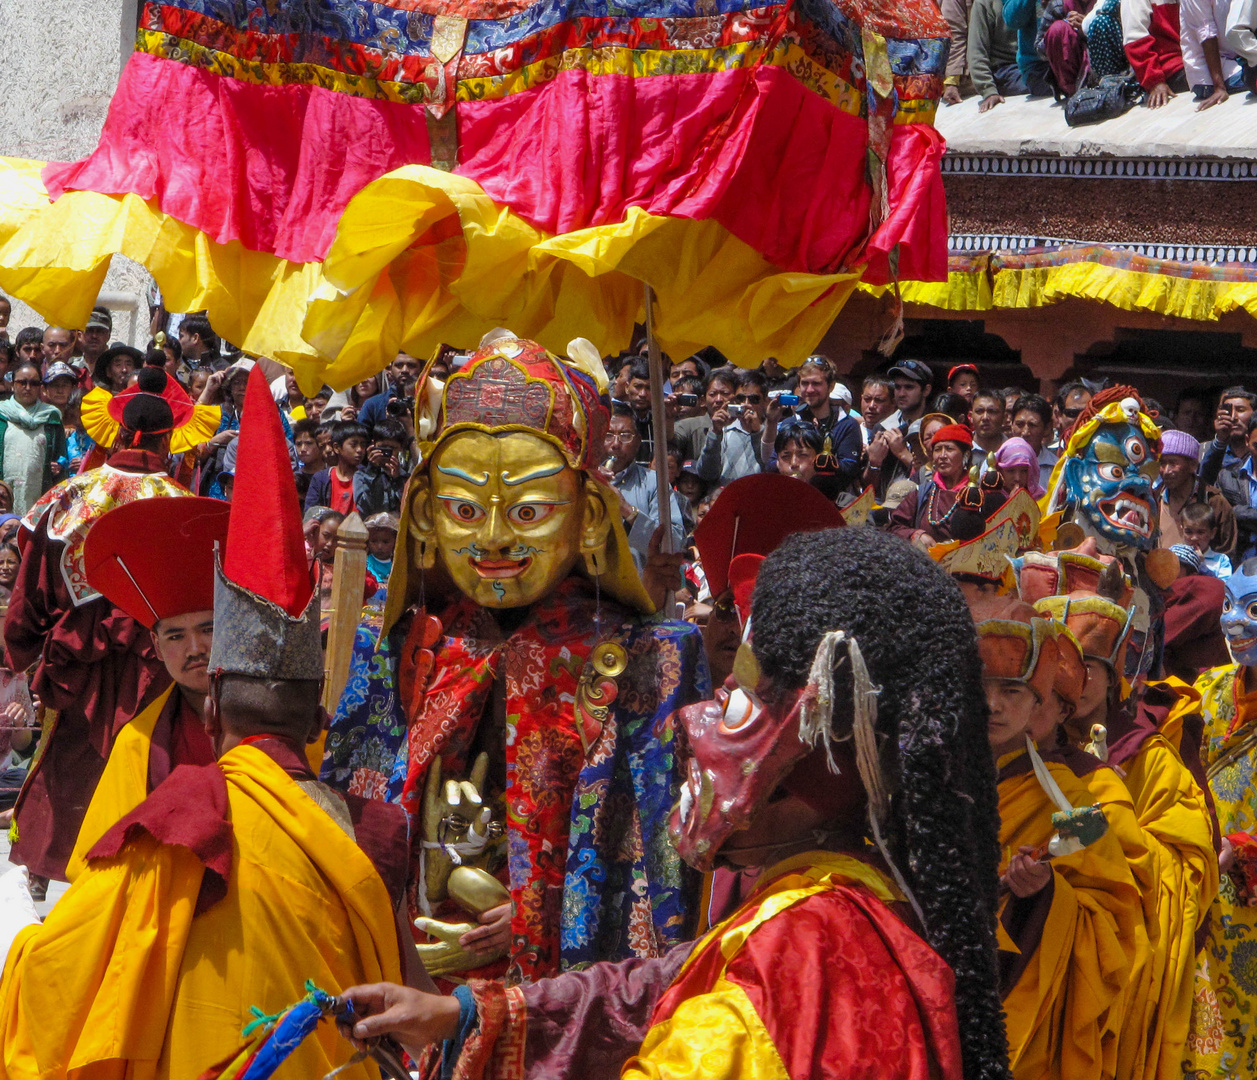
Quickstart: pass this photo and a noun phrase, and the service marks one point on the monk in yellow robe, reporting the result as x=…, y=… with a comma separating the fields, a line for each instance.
x=173, y=597
x=1072, y=918
x=234, y=882
x=1223, y=1039
x=1140, y=735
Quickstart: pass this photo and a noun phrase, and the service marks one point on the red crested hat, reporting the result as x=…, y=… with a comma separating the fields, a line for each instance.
x=154, y=558
x=753, y=515
x=513, y=384
x=956, y=433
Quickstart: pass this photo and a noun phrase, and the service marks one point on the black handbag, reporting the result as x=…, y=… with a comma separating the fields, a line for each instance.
x=1111, y=96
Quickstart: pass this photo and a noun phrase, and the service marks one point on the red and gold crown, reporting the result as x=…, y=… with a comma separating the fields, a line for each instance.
x=513, y=384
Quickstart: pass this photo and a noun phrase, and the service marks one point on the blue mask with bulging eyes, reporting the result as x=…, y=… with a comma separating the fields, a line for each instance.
x=1111, y=486
x=1239, y=613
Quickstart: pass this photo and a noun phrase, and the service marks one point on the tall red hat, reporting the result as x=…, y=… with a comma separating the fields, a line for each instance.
x=753, y=516
x=266, y=548
x=264, y=603
x=154, y=558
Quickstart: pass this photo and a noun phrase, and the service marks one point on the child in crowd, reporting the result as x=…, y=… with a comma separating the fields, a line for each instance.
x=323, y=436
x=320, y=523
x=381, y=541
x=797, y=448
x=378, y=484
x=316, y=404
x=309, y=456
x=1199, y=524
x=334, y=486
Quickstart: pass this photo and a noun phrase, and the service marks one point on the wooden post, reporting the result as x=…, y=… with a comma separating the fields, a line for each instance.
x=659, y=432
x=349, y=575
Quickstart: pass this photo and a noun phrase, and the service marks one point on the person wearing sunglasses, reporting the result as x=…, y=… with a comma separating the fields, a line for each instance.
x=732, y=447
x=1070, y=401
x=32, y=439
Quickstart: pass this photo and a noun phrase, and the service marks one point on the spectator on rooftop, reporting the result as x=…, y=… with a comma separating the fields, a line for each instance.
x=1241, y=36
x=1023, y=17
x=993, y=53
x=1102, y=29
x=1061, y=43
x=1150, y=36
x=957, y=83
x=1209, y=61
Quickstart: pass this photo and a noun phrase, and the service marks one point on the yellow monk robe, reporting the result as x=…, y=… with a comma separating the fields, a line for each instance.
x=1222, y=1042
x=126, y=980
x=123, y=785
x=1172, y=811
x=1083, y=940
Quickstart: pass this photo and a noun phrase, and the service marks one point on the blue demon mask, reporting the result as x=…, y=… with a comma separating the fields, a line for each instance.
x=1239, y=613
x=1111, y=486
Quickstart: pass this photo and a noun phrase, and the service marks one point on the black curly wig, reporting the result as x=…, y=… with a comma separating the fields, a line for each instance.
x=918, y=641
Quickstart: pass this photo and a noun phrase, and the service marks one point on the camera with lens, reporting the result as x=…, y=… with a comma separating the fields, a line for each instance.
x=397, y=408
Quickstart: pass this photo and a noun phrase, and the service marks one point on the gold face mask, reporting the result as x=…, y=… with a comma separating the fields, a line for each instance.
x=508, y=515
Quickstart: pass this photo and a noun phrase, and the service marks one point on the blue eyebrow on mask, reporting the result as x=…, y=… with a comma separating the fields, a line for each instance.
x=464, y=476
x=538, y=474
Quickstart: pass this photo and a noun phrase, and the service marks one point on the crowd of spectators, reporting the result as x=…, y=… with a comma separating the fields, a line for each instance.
x=1004, y=48
x=911, y=436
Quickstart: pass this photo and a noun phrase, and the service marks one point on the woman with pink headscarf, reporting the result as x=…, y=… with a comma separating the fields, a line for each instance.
x=1018, y=466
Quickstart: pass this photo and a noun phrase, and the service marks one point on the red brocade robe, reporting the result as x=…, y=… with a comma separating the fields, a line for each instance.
x=95, y=666
x=814, y=976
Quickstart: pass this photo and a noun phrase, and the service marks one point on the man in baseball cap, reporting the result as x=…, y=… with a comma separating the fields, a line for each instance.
x=94, y=340
x=914, y=382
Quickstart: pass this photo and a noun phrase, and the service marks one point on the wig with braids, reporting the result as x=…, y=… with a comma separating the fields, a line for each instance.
x=919, y=644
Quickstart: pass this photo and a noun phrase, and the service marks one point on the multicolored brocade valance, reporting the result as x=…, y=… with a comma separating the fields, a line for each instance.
x=400, y=52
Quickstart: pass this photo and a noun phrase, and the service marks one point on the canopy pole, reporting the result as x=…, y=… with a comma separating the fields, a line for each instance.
x=659, y=432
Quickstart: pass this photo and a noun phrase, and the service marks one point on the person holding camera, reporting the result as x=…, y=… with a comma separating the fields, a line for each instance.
x=838, y=462
x=378, y=483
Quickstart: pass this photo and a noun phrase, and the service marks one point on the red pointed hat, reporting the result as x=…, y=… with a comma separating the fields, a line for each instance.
x=154, y=558
x=753, y=516
x=266, y=549
x=265, y=609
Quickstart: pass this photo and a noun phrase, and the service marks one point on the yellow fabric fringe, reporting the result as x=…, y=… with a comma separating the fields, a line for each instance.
x=1010, y=288
x=421, y=257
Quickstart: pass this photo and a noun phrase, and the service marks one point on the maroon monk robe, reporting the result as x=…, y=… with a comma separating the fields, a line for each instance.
x=96, y=667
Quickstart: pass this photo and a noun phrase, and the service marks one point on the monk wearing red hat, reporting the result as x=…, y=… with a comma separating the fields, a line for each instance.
x=172, y=595
x=94, y=665
x=234, y=882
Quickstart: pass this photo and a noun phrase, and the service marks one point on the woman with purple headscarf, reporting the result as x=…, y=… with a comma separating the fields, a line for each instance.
x=1018, y=466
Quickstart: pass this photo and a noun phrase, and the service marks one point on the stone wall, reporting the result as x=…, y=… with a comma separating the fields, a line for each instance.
x=60, y=64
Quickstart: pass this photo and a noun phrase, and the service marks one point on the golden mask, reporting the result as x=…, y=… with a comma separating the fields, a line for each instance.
x=508, y=515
